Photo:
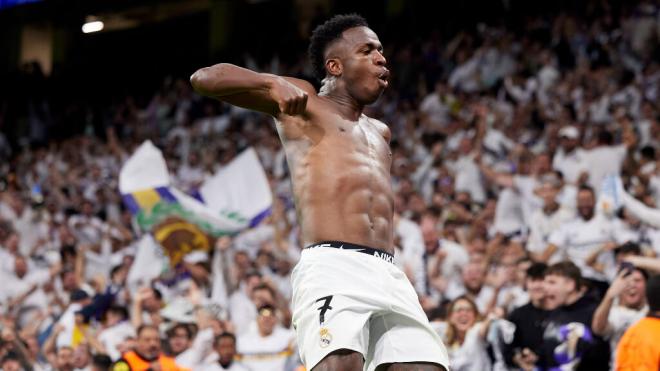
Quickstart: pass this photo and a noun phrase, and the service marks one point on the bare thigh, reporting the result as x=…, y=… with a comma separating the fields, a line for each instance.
x=410, y=367
x=341, y=360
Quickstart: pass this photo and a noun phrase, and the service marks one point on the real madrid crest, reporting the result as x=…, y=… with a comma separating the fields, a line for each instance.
x=325, y=337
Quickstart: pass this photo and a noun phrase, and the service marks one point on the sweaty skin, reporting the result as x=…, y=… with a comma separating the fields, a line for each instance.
x=339, y=158
x=341, y=182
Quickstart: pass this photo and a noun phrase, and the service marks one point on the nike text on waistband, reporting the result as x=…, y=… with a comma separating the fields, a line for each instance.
x=353, y=247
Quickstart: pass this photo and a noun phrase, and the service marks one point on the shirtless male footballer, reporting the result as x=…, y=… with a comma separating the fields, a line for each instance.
x=353, y=309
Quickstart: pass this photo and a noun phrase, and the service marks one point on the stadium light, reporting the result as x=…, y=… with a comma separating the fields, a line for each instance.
x=93, y=26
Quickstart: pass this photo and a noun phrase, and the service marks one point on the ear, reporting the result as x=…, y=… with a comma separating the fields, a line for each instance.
x=334, y=67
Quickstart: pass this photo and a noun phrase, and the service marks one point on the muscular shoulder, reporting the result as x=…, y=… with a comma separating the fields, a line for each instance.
x=302, y=84
x=382, y=128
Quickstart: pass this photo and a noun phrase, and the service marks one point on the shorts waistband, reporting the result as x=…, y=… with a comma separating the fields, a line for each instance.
x=353, y=247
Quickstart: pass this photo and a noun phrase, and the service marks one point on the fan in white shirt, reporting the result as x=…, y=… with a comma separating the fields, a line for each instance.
x=117, y=330
x=269, y=346
x=623, y=304
x=581, y=237
x=606, y=158
x=435, y=106
x=546, y=220
x=465, y=336
x=444, y=261
x=524, y=184
x=569, y=158
x=224, y=357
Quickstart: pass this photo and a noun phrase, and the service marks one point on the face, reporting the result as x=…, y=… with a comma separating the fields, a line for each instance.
x=430, y=235
x=585, y=204
x=558, y=289
x=226, y=348
x=152, y=303
x=463, y=315
x=536, y=290
x=20, y=267
x=81, y=356
x=542, y=164
x=261, y=297
x=634, y=294
x=148, y=343
x=548, y=193
x=266, y=321
x=357, y=60
x=64, y=360
x=179, y=341
x=473, y=276
x=568, y=144
x=11, y=365
x=69, y=281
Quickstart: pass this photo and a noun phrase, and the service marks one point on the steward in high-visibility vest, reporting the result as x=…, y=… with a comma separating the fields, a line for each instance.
x=147, y=354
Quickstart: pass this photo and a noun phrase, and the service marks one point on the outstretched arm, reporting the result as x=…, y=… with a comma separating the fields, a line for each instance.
x=261, y=92
x=644, y=213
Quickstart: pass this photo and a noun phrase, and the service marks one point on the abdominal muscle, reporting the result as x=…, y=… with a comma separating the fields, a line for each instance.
x=342, y=190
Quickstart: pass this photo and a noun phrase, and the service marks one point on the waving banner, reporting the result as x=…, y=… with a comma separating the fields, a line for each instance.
x=235, y=198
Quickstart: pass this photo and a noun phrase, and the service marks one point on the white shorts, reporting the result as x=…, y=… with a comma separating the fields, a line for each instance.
x=346, y=299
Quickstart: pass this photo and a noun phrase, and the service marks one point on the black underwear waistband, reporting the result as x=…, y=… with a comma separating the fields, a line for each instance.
x=353, y=247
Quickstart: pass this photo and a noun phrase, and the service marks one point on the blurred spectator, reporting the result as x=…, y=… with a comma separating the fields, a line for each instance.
x=639, y=348
x=464, y=334
x=530, y=321
x=497, y=129
x=147, y=353
x=546, y=220
x=624, y=304
x=225, y=355
x=567, y=340
x=579, y=238
x=269, y=347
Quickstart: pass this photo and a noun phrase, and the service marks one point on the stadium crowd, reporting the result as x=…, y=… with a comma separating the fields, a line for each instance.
x=502, y=141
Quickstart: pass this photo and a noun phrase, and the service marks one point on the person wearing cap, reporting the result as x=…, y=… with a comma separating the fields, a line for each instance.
x=269, y=347
x=148, y=354
x=570, y=158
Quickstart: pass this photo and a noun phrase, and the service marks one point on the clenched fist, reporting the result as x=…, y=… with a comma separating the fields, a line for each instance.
x=290, y=99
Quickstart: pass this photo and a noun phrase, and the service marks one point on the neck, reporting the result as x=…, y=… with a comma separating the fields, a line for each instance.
x=460, y=337
x=146, y=358
x=333, y=90
x=575, y=296
x=226, y=364
x=538, y=303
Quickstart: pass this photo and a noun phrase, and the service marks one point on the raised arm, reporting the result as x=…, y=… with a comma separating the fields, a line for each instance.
x=256, y=91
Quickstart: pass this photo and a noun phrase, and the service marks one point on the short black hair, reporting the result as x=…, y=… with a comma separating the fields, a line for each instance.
x=225, y=335
x=144, y=327
x=172, y=331
x=628, y=248
x=118, y=310
x=325, y=34
x=653, y=293
x=102, y=361
x=568, y=270
x=536, y=271
x=586, y=188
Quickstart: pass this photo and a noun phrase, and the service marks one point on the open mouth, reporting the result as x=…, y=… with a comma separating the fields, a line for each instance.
x=384, y=77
